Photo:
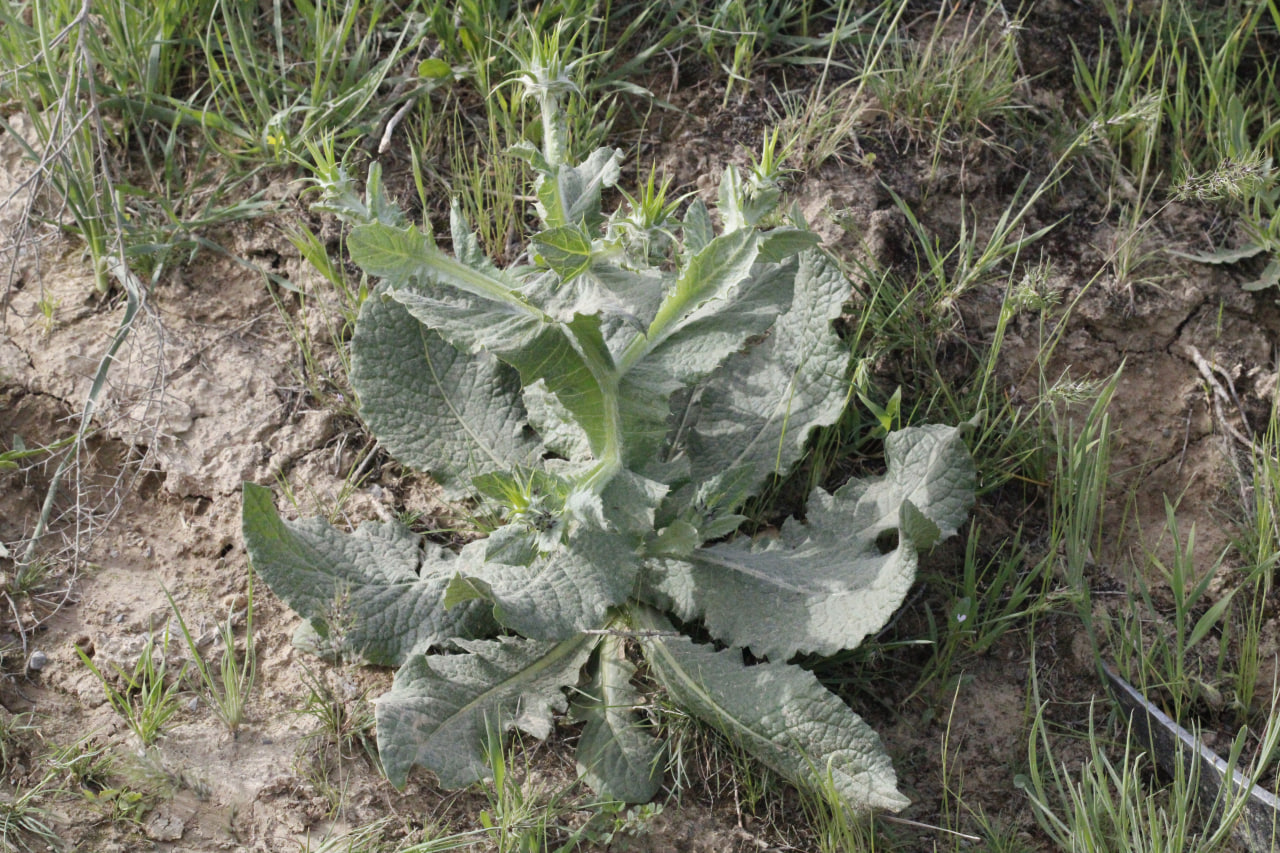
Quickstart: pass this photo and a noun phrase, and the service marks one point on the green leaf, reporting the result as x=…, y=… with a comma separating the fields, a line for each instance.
x=630, y=502
x=758, y=408
x=441, y=708
x=565, y=249
x=434, y=408
x=930, y=467
x=698, y=230
x=462, y=589
x=568, y=360
x=473, y=324
x=569, y=195
x=715, y=330
x=618, y=757
x=825, y=584
x=782, y=243
x=710, y=274
x=473, y=307
x=379, y=591
x=677, y=539
x=466, y=245
x=555, y=423
x=781, y=714
x=710, y=507
x=918, y=527
x=341, y=200
x=731, y=201
x=536, y=347
x=434, y=69
x=1223, y=255
x=564, y=591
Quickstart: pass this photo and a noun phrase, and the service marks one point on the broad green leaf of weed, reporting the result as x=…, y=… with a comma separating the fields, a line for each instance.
x=758, y=408
x=435, y=408
x=616, y=756
x=561, y=591
x=930, y=467
x=569, y=195
x=567, y=250
x=825, y=584
x=803, y=731
x=388, y=580
x=441, y=708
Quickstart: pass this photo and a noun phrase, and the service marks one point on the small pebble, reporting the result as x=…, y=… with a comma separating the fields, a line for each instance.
x=235, y=603
x=194, y=703
x=37, y=661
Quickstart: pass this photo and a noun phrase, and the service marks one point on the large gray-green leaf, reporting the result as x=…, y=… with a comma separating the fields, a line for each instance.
x=469, y=302
x=441, y=709
x=434, y=408
x=822, y=594
x=551, y=352
x=824, y=584
x=716, y=329
x=470, y=323
x=563, y=591
x=645, y=412
x=779, y=713
x=928, y=466
x=378, y=591
x=757, y=409
x=477, y=308
x=617, y=756
x=630, y=502
x=566, y=249
x=710, y=275
x=555, y=423
x=569, y=359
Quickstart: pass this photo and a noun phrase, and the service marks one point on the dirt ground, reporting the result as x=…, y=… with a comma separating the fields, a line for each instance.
x=211, y=391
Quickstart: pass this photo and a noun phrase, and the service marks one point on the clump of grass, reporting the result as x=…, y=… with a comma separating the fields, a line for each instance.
x=1114, y=803
x=25, y=824
x=344, y=722
x=958, y=83
x=1177, y=105
x=231, y=688
x=1161, y=659
x=148, y=697
x=996, y=593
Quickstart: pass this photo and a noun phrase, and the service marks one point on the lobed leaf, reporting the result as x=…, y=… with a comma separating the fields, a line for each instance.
x=379, y=591
x=758, y=408
x=781, y=714
x=825, y=584
x=433, y=407
x=930, y=467
x=618, y=756
x=441, y=708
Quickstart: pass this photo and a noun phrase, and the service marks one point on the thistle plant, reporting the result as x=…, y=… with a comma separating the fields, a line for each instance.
x=613, y=404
